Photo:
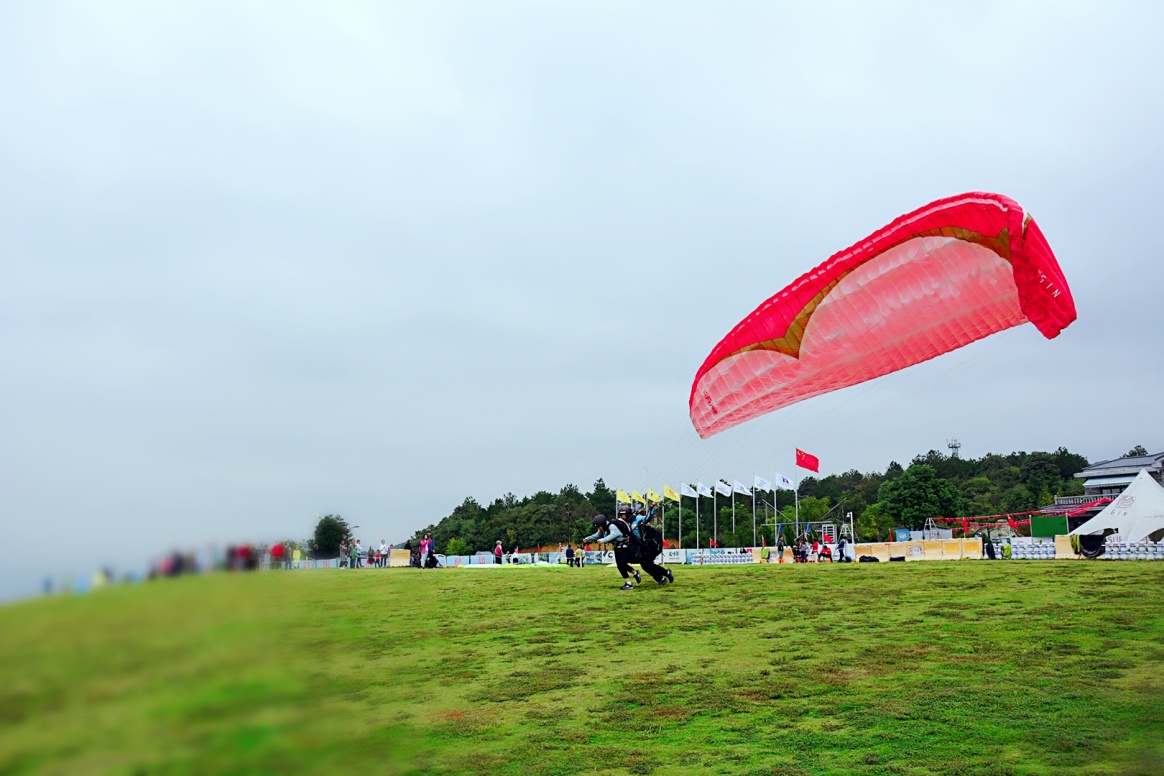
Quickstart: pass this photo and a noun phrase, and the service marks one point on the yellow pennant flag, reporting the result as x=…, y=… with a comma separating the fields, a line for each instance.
x=652, y=496
x=635, y=495
x=670, y=494
x=622, y=497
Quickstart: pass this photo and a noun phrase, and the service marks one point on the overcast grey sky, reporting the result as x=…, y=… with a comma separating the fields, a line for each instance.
x=264, y=261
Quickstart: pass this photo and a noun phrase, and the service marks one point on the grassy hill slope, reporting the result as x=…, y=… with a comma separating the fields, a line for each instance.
x=967, y=667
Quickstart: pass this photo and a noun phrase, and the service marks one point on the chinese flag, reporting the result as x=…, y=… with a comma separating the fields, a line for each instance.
x=1011, y=522
x=806, y=461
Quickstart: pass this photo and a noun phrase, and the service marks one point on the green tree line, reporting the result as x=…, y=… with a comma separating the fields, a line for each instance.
x=933, y=485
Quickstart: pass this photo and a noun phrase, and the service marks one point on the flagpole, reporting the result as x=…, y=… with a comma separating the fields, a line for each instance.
x=680, y=517
x=663, y=517
x=753, y=509
x=762, y=538
x=696, y=519
x=714, y=514
x=796, y=498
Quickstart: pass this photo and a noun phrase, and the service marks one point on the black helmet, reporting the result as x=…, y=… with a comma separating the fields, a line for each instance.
x=599, y=521
x=624, y=509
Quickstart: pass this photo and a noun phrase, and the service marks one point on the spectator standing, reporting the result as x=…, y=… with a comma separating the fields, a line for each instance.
x=570, y=556
x=383, y=554
x=425, y=549
x=497, y=553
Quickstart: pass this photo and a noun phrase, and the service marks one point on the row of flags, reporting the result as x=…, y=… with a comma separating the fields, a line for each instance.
x=803, y=460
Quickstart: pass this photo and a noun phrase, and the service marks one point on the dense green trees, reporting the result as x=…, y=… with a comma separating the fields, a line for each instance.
x=917, y=494
x=329, y=532
x=541, y=519
x=934, y=485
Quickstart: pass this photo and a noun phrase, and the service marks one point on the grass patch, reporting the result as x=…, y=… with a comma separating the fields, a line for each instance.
x=921, y=668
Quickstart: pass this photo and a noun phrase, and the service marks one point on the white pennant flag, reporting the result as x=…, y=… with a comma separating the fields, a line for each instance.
x=783, y=482
x=702, y=489
x=722, y=488
x=685, y=490
x=760, y=483
x=739, y=488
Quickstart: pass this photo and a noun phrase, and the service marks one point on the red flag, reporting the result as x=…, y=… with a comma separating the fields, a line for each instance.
x=1013, y=525
x=965, y=527
x=763, y=541
x=806, y=461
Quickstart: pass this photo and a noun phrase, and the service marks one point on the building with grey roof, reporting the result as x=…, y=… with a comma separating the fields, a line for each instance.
x=1109, y=478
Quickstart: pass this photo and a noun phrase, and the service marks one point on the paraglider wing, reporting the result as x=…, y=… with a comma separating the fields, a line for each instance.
x=941, y=277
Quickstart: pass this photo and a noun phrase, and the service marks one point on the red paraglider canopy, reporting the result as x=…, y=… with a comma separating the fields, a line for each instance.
x=941, y=277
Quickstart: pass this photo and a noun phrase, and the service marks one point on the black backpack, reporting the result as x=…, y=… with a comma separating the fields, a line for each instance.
x=631, y=542
x=652, y=540
x=621, y=525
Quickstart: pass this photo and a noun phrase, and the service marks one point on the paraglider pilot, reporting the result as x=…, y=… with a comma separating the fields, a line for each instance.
x=650, y=544
x=617, y=533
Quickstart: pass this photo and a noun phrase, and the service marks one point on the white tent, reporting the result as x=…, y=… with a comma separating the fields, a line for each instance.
x=1134, y=514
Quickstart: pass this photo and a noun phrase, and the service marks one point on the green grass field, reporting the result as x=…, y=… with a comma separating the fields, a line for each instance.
x=967, y=667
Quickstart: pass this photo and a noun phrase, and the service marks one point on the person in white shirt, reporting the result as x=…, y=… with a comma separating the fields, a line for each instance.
x=383, y=553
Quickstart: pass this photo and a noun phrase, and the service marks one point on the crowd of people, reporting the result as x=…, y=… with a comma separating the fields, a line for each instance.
x=808, y=549
x=354, y=555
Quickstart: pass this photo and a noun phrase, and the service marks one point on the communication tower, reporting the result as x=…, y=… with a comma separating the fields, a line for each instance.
x=954, y=446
